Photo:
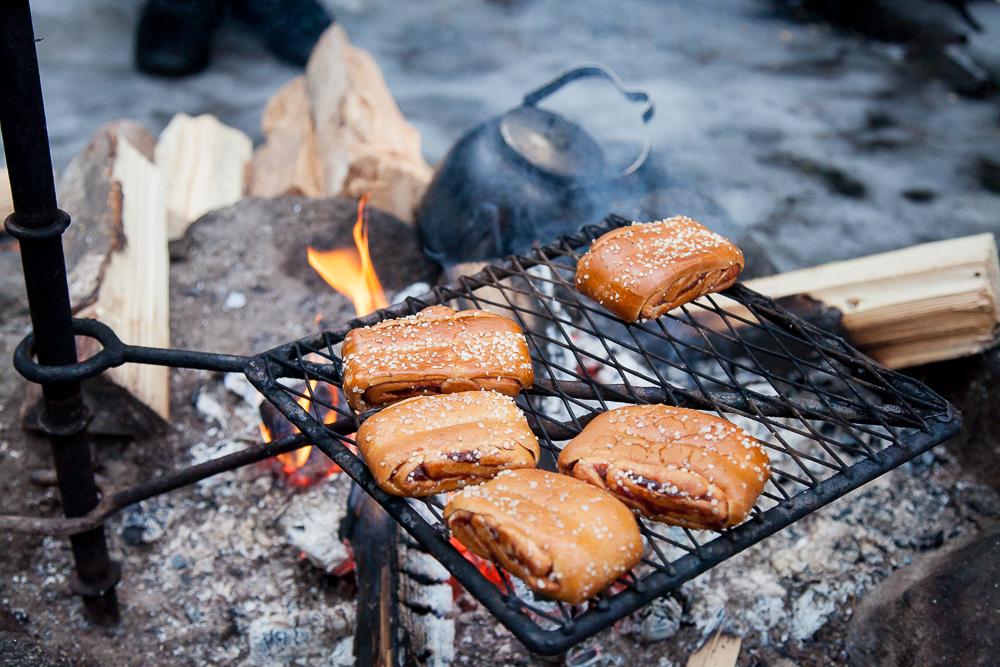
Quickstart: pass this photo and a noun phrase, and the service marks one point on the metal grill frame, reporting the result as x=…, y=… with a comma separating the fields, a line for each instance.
x=930, y=424
x=37, y=223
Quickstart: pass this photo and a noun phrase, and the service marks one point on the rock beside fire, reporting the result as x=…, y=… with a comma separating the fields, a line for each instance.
x=258, y=247
x=970, y=385
x=312, y=521
x=942, y=610
x=337, y=131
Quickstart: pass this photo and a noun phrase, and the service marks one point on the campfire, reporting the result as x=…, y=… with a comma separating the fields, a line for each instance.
x=199, y=231
x=350, y=272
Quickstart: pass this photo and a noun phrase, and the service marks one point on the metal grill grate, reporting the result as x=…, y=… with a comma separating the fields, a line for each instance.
x=832, y=418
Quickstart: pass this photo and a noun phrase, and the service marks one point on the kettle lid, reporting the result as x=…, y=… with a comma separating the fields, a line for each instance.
x=552, y=144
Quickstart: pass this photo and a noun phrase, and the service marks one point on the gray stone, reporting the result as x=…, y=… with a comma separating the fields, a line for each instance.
x=942, y=610
x=258, y=247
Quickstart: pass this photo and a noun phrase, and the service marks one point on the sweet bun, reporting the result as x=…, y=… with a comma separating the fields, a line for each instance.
x=647, y=269
x=674, y=465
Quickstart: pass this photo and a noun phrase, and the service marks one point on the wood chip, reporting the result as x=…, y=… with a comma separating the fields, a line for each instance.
x=719, y=651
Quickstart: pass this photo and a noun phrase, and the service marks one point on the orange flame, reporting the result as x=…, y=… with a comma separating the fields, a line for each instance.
x=294, y=460
x=350, y=270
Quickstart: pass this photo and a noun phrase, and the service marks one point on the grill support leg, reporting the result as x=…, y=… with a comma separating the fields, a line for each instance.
x=38, y=225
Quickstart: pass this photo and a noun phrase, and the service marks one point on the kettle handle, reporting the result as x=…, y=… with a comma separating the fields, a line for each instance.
x=631, y=94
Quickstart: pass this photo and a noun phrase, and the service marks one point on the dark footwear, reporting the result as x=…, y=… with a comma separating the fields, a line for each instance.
x=175, y=36
x=289, y=28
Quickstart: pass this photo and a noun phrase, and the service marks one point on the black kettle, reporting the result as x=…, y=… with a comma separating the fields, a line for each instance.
x=527, y=176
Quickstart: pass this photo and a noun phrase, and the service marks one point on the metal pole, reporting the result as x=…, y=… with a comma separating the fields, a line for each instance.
x=38, y=225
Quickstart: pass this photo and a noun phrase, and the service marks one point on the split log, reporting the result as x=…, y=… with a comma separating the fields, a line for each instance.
x=116, y=251
x=364, y=143
x=287, y=164
x=204, y=165
x=925, y=303
x=719, y=651
x=338, y=131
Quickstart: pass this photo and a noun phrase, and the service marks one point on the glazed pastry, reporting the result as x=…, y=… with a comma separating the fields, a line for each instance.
x=437, y=351
x=432, y=444
x=678, y=466
x=565, y=539
x=647, y=269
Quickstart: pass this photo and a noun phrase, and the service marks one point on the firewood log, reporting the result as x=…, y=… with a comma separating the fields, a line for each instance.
x=204, y=166
x=287, y=164
x=928, y=302
x=337, y=131
x=116, y=251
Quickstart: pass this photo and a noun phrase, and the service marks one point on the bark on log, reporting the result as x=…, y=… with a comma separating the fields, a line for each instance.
x=116, y=251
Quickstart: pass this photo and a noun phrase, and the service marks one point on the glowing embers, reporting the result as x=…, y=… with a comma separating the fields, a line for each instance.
x=349, y=271
x=319, y=399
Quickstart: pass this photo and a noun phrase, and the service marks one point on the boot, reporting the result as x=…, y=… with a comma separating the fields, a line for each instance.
x=175, y=36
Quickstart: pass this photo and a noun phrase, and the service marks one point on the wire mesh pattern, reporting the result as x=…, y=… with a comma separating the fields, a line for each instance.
x=831, y=418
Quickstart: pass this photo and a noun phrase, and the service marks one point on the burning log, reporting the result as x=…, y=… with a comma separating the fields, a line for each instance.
x=425, y=595
x=338, y=131
x=116, y=251
x=274, y=426
x=205, y=166
x=373, y=537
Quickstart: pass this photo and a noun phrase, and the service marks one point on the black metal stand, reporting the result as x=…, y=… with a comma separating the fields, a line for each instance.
x=38, y=226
